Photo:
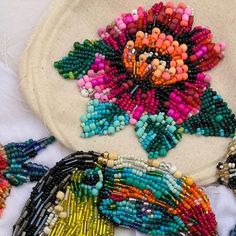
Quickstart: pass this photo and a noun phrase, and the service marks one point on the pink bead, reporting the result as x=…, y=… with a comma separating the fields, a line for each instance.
x=101, y=31
x=132, y=121
x=179, y=70
x=97, y=88
x=90, y=73
x=207, y=78
x=179, y=121
x=166, y=76
x=170, y=4
x=86, y=78
x=178, y=99
x=121, y=26
x=180, y=11
x=135, y=17
x=104, y=98
x=222, y=46
x=170, y=112
x=88, y=85
x=200, y=76
x=185, y=17
x=170, y=38
x=176, y=115
x=181, y=107
x=188, y=11
x=101, y=72
x=172, y=95
x=80, y=82
x=97, y=95
x=217, y=48
x=162, y=36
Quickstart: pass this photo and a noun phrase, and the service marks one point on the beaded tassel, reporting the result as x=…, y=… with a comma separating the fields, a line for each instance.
x=87, y=193
x=13, y=169
x=148, y=62
x=227, y=170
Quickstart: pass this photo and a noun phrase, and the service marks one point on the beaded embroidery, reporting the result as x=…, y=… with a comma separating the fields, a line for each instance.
x=88, y=193
x=227, y=170
x=148, y=70
x=14, y=168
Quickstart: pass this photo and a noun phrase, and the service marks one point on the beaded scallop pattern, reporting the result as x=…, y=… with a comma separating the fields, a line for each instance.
x=90, y=193
x=148, y=70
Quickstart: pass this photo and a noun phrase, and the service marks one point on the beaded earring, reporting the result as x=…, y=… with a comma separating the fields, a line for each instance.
x=227, y=170
x=14, y=168
x=88, y=193
x=148, y=70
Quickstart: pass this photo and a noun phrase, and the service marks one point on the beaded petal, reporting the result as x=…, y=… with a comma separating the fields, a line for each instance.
x=149, y=62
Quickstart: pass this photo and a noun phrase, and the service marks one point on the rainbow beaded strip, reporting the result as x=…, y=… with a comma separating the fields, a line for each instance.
x=88, y=193
x=14, y=168
x=149, y=66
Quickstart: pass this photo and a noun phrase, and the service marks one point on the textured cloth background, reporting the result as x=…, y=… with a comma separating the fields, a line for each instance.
x=59, y=105
x=17, y=123
x=18, y=19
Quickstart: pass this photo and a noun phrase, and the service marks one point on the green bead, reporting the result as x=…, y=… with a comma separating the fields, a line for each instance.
x=219, y=118
x=71, y=75
x=163, y=152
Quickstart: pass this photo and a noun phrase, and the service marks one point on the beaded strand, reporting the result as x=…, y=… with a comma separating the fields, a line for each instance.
x=13, y=169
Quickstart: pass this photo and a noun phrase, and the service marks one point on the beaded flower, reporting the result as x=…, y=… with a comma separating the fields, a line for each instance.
x=148, y=70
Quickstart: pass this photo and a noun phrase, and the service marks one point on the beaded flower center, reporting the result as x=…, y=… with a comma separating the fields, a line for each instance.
x=157, y=57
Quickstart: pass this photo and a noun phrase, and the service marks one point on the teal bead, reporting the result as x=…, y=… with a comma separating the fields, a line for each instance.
x=98, y=186
x=219, y=118
x=116, y=123
x=111, y=130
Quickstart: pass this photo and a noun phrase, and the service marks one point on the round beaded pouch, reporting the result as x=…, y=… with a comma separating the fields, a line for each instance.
x=88, y=193
x=148, y=71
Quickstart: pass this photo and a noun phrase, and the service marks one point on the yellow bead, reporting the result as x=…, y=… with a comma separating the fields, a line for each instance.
x=189, y=181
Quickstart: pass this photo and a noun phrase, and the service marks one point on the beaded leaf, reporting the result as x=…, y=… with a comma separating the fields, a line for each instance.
x=152, y=61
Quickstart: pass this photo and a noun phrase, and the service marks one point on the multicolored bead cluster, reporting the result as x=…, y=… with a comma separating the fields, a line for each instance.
x=150, y=62
x=14, y=168
x=227, y=170
x=88, y=193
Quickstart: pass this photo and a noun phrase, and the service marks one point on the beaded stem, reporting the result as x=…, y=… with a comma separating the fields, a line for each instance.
x=87, y=193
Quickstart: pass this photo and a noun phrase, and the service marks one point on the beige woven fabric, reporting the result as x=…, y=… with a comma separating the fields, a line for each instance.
x=59, y=104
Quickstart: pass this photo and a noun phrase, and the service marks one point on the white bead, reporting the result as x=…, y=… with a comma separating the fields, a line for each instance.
x=47, y=230
x=84, y=93
x=173, y=169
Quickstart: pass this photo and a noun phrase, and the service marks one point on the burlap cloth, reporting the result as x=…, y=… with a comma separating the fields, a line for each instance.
x=59, y=104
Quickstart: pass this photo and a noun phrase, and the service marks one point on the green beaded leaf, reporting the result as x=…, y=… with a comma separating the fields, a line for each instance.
x=102, y=119
x=158, y=134
x=78, y=61
x=214, y=118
